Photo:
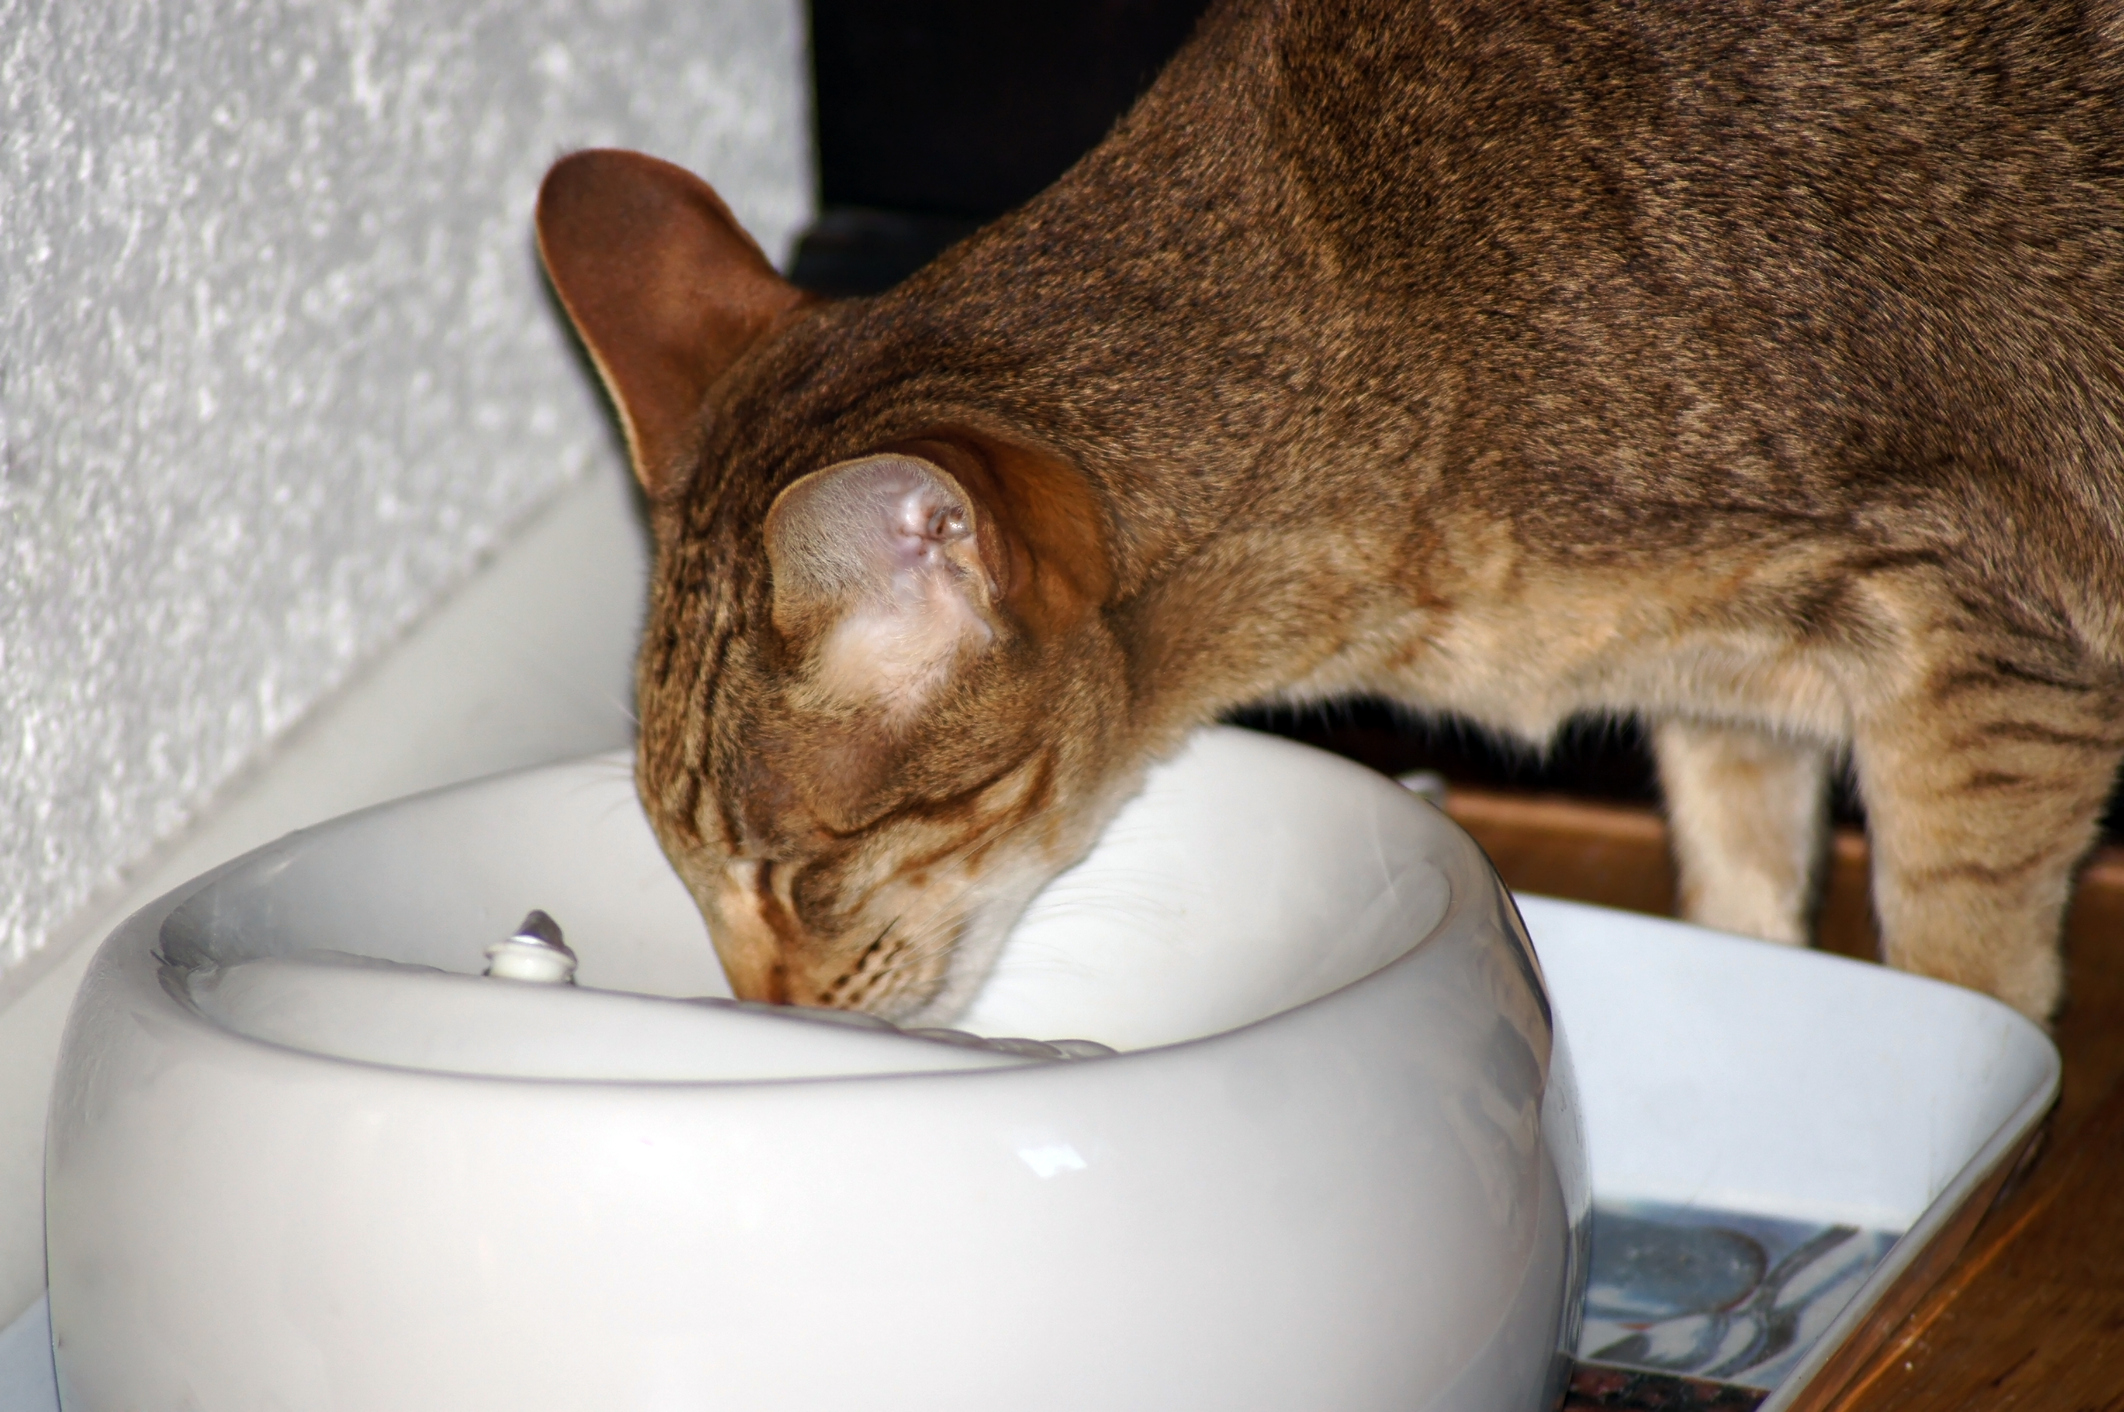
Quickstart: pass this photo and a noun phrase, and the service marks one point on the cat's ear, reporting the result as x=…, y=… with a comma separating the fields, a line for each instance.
x=890, y=569
x=665, y=288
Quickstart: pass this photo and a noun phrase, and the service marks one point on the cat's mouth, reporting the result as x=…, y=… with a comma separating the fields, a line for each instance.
x=923, y=963
x=892, y=967
x=895, y=973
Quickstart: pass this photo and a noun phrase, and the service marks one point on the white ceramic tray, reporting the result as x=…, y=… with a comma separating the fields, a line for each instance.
x=1743, y=1081
x=1787, y=1089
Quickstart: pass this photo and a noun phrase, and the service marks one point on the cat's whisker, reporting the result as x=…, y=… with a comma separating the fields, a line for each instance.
x=915, y=951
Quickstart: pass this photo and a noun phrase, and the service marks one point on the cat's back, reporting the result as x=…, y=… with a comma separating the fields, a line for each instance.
x=1818, y=255
x=1976, y=120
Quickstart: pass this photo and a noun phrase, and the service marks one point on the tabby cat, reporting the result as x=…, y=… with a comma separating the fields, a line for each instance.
x=1752, y=367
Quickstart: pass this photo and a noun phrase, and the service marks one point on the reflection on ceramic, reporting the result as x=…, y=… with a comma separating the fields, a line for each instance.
x=302, y=1155
x=1723, y=1295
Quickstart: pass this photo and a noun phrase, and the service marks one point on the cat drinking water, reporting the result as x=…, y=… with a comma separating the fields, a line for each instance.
x=1751, y=368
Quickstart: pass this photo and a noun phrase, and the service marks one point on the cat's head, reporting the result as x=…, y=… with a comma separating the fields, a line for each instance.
x=880, y=703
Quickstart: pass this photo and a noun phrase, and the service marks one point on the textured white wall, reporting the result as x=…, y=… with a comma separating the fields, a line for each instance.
x=275, y=364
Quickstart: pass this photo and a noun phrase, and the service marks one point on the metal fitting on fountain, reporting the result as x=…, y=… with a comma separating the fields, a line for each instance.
x=535, y=953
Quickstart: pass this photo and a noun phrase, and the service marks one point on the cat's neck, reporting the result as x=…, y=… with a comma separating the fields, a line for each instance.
x=1164, y=316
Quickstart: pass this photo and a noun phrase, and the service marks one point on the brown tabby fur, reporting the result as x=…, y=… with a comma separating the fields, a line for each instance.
x=1752, y=367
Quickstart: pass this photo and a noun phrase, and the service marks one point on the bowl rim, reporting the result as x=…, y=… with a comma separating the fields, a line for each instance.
x=144, y=941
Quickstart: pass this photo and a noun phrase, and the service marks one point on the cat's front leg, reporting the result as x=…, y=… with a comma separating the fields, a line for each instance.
x=1747, y=811
x=1982, y=793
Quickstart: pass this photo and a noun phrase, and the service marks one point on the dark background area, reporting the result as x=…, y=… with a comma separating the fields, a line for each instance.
x=936, y=116
x=961, y=109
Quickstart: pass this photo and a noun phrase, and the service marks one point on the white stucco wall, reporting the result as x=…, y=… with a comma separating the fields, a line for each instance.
x=276, y=368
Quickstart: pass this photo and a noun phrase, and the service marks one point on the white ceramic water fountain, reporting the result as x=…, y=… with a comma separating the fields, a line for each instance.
x=304, y=1155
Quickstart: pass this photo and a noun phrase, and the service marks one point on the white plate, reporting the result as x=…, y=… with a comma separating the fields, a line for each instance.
x=1737, y=1076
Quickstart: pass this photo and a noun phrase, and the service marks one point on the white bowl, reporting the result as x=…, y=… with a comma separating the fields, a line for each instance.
x=1336, y=1166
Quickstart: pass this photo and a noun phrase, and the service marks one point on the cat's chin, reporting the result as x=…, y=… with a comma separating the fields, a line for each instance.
x=973, y=956
x=972, y=959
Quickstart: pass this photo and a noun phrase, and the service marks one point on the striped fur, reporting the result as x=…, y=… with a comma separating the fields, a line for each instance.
x=1751, y=368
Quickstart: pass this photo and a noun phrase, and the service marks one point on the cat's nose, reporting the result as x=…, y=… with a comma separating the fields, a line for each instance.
x=769, y=955
x=762, y=971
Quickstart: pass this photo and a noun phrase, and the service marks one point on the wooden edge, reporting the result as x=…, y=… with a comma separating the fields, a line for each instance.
x=1557, y=814
x=1847, y=1375
x=2105, y=868
x=1569, y=818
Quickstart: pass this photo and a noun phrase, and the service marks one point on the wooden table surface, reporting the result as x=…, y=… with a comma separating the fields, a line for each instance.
x=2030, y=1317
